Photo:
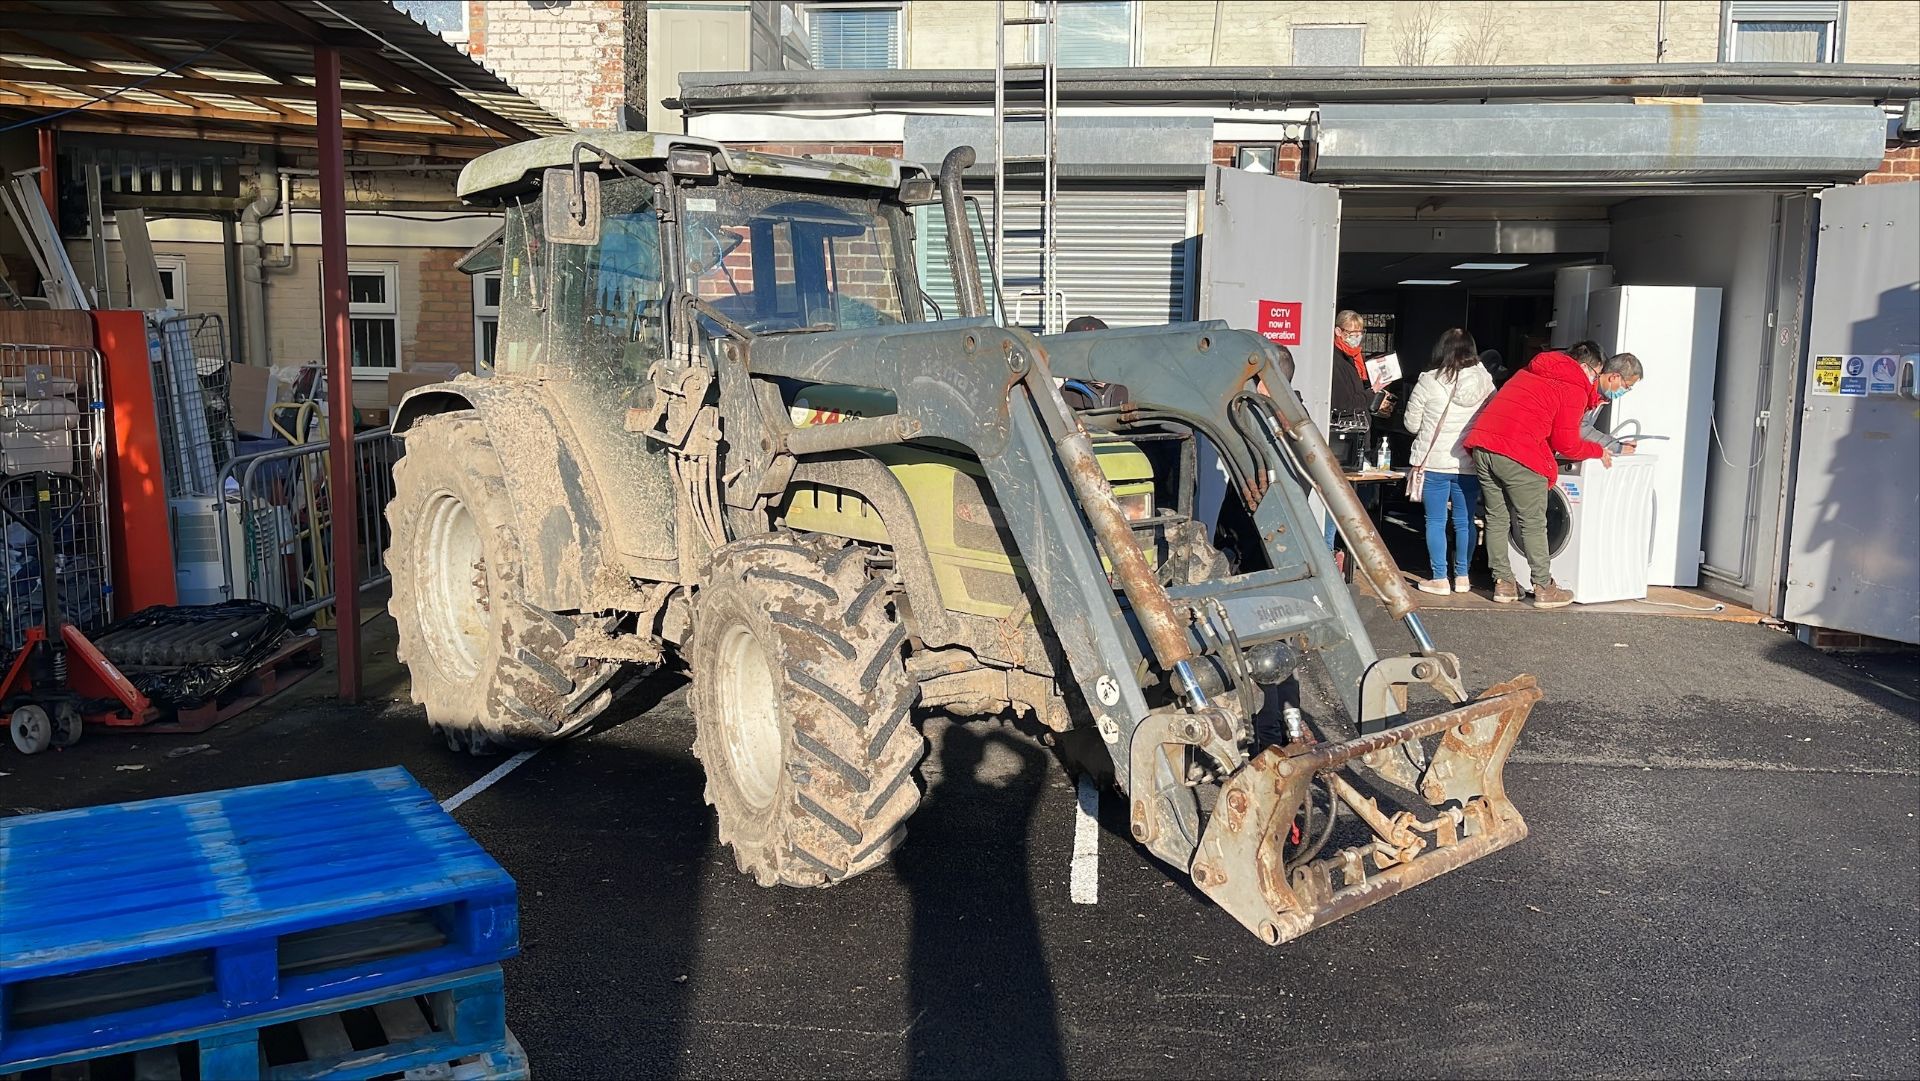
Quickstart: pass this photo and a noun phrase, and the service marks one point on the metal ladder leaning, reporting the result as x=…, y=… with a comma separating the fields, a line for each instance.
x=1035, y=87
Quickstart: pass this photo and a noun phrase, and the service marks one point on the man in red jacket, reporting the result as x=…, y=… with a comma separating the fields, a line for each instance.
x=1534, y=417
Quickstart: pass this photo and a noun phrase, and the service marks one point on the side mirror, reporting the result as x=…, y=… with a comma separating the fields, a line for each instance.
x=570, y=206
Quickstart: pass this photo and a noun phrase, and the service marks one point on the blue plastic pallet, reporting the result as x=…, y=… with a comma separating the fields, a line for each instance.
x=450, y=1028
x=138, y=921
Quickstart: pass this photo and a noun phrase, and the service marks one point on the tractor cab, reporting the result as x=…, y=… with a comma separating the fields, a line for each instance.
x=617, y=243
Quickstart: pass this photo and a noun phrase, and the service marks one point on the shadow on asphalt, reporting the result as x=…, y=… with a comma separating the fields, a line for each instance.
x=979, y=989
x=1888, y=680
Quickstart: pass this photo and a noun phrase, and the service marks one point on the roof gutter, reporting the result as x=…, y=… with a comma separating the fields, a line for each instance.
x=1277, y=87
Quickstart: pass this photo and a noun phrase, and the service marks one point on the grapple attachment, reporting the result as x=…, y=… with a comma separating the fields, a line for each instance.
x=1254, y=863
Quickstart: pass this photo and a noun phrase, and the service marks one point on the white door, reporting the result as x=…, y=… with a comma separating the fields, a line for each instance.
x=1853, y=560
x=1268, y=261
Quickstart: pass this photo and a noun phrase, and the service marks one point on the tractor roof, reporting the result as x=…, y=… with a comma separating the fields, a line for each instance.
x=510, y=169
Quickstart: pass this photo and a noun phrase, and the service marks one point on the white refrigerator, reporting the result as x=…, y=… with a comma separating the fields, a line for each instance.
x=1675, y=331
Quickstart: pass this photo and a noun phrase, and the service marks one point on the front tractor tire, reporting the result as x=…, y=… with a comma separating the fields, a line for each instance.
x=802, y=703
x=493, y=672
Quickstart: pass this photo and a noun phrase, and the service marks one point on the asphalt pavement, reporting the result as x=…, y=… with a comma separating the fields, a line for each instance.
x=1723, y=879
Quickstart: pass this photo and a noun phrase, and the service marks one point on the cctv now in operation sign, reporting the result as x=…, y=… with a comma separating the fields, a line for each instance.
x=1279, y=321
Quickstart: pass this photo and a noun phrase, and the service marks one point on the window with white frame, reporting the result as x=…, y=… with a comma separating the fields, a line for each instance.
x=486, y=319
x=1782, y=32
x=373, y=317
x=173, y=280
x=1093, y=34
x=1329, y=46
x=854, y=36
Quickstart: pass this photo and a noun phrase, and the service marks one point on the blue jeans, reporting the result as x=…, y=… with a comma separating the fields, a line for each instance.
x=1462, y=490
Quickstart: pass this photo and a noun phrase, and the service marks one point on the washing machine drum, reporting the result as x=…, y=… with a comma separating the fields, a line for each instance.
x=1559, y=526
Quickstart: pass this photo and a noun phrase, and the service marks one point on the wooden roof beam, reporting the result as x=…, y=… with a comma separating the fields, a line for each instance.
x=40, y=100
x=361, y=57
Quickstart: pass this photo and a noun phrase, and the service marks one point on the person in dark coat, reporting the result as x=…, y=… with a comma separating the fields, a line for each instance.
x=1514, y=442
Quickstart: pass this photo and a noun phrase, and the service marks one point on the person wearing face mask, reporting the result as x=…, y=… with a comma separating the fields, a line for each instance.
x=1536, y=418
x=1351, y=394
x=1614, y=377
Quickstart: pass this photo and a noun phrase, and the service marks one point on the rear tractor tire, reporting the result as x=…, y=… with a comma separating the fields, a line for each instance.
x=494, y=672
x=802, y=707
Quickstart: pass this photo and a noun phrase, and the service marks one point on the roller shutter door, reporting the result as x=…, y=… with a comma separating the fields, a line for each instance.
x=1123, y=256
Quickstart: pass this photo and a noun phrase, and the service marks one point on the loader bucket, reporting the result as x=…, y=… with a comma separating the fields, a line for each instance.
x=1243, y=862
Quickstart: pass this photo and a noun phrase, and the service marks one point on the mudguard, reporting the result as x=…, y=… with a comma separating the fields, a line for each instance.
x=563, y=515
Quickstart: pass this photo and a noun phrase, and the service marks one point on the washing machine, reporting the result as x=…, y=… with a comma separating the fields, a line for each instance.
x=1599, y=528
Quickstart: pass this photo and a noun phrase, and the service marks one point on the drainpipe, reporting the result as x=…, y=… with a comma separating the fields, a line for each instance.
x=254, y=266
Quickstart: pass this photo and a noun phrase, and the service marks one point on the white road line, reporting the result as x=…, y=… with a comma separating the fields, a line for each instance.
x=452, y=802
x=1084, y=880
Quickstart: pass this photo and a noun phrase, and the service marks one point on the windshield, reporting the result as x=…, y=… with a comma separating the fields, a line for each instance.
x=777, y=260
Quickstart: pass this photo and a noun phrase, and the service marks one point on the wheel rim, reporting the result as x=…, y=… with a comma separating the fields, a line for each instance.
x=32, y=730
x=455, y=615
x=749, y=715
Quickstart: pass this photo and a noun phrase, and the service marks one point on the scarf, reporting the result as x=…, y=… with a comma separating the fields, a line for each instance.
x=1353, y=354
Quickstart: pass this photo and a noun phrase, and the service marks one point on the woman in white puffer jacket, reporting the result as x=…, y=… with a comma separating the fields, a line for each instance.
x=1444, y=402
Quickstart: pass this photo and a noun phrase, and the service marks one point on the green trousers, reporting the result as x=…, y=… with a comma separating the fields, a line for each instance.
x=1511, y=493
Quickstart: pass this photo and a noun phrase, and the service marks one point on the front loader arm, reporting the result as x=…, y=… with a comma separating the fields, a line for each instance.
x=992, y=391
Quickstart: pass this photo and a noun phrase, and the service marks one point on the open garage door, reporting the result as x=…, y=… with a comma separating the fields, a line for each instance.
x=1268, y=263
x=1852, y=561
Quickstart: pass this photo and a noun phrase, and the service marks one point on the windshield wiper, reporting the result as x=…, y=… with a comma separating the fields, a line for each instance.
x=723, y=321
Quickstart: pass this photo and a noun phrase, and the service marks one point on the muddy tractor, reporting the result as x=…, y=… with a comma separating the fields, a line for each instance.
x=727, y=426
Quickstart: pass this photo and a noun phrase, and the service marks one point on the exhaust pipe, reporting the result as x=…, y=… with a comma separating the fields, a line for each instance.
x=963, y=259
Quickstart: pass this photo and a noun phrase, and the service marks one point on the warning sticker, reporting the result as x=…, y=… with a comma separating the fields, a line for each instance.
x=1826, y=375
x=1883, y=375
x=1853, y=377
x=1572, y=488
x=1280, y=321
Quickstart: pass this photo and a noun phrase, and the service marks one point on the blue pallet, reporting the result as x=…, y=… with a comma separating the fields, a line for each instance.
x=209, y=887
x=462, y=1034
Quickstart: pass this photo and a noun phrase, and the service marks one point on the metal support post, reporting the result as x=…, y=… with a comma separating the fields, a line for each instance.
x=333, y=307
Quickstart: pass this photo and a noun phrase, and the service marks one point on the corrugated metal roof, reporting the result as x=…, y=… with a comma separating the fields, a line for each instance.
x=245, y=72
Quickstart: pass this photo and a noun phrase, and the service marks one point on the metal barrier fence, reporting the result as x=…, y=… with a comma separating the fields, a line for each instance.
x=276, y=518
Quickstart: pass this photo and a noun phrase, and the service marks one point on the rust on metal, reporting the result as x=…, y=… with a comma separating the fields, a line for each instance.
x=1322, y=466
x=1165, y=631
x=1243, y=849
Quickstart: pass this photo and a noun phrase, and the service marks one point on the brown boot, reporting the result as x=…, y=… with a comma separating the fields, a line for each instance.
x=1506, y=592
x=1551, y=596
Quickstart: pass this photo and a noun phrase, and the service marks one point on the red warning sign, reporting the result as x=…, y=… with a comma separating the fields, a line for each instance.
x=1280, y=321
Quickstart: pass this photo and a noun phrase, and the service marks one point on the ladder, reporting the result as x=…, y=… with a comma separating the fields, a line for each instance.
x=1026, y=93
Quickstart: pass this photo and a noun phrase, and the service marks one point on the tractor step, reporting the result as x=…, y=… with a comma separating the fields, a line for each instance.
x=135, y=922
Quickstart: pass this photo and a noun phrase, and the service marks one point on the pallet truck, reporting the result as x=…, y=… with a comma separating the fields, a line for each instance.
x=59, y=678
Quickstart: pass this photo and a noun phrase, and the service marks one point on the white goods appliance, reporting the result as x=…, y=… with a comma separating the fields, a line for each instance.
x=1571, y=288
x=1675, y=331
x=1599, y=523
x=200, y=576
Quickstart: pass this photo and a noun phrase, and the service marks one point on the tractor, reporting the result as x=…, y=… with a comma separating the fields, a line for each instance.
x=728, y=427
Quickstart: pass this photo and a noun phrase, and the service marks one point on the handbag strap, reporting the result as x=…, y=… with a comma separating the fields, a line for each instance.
x=1442, y=425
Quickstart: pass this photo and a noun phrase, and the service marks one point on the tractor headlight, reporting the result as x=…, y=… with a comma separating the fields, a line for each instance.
x=1138, y=507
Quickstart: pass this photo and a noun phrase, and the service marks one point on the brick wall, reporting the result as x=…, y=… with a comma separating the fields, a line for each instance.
x=1902, y=163
x=571, y=58
x=1286, y=162
x=443, y=331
